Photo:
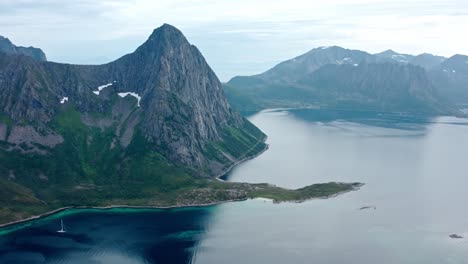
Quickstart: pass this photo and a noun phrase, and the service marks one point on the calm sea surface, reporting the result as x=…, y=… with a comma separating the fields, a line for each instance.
x=416, y=175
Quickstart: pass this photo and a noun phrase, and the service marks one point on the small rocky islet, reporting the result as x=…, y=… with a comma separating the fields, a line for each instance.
x=455, y=236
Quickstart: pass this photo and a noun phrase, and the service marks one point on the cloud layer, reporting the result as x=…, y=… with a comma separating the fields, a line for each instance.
x=239, y=37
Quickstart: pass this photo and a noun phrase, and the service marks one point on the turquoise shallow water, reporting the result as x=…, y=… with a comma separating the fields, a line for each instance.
x=415, y=172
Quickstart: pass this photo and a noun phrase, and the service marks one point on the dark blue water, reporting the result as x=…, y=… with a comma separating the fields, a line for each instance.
x=415, y=172
x=109, y=236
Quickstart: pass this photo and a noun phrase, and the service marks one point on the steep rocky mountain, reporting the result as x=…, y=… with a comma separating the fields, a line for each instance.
x=137, y=127
x=340, y=78
x=451, y=78
x=7, y=47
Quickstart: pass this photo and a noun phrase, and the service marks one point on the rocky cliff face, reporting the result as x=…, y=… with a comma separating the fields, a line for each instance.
x=181, y=97
x=7, y=47
x=164, y=93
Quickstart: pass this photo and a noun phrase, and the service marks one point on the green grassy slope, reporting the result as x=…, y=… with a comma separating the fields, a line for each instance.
x=89, y=169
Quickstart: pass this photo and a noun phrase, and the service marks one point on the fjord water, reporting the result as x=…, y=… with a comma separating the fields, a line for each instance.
x=116, y=236
x=415, y=172
x=416, y=175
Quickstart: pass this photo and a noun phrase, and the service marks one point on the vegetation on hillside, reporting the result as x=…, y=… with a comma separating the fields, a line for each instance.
x=89, y=170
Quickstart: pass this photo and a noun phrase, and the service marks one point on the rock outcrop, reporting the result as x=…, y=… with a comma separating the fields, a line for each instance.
x=7, y=47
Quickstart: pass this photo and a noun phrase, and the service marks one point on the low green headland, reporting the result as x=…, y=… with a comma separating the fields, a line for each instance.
x=21, y=204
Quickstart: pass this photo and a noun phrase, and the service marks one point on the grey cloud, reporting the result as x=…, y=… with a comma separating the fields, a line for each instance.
x=92, y=31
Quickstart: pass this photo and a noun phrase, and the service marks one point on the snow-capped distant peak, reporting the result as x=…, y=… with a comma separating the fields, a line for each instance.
x=63, y=100
x=400, y=58
x=324, y=47
x=345, y=60
x=99, y=89
x=395, y=56
x=131, y=94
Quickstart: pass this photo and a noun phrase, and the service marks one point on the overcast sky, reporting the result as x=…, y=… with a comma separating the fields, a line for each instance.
x=237, y=37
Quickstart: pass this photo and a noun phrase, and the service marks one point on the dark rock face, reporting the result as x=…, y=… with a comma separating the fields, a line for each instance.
x=7, y=47
x=181, y=104
x=180, y=93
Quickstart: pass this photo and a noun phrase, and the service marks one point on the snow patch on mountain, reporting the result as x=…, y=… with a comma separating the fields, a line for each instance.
x=99, y=89
x=131, y=94
x=400, y=58
x=344, y=61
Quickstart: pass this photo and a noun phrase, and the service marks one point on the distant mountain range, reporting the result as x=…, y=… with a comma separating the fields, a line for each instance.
x=338, y=78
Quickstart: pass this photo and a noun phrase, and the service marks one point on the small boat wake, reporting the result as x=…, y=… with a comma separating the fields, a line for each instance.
x=62, y=229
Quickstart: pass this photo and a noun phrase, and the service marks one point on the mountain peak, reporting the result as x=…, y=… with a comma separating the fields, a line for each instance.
x=166, y=29
x=426, y=54
x=165, y=36
x=388, y=52
x=459, y=56
x=4, y=39
x=334, y=47
x=167, y=32
x=8, y=47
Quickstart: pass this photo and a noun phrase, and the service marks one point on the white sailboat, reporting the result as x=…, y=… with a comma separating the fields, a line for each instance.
x=62, y=230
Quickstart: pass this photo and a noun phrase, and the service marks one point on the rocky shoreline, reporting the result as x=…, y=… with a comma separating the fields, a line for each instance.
x=230, y=168
x=111, y=207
